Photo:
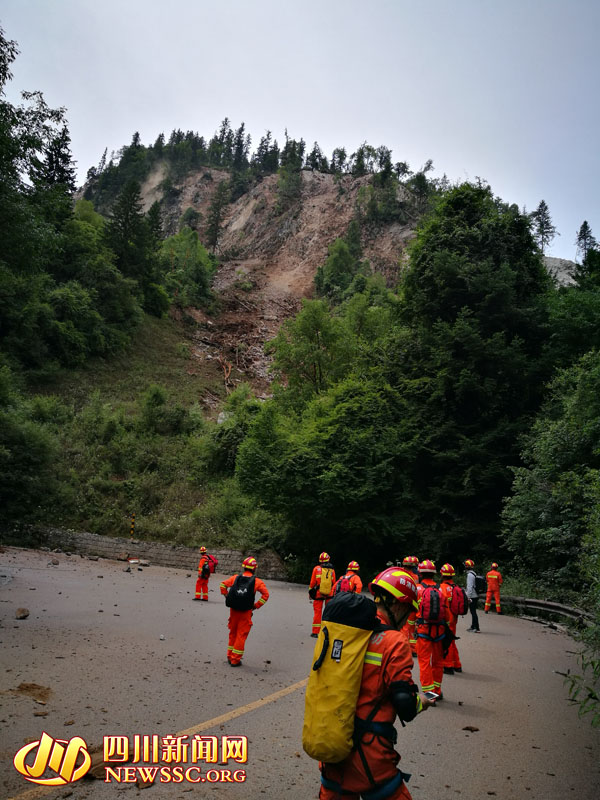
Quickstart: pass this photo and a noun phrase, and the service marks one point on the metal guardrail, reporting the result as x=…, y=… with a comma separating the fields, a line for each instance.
x=577, y=614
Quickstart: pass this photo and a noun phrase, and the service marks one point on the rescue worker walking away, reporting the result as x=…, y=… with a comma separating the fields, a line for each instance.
x=350, y=580
x=411, y=565
x=203, y=575
x=320, y=589
x=386, y=691
x=494, y=582
x=452, y=659
x=240, y=592
x=472, y=595
x=431, y=629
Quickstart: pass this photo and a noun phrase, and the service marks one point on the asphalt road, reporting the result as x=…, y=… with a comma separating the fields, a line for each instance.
x=105, y=652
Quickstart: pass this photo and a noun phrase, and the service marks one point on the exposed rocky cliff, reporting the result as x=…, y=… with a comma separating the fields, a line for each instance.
x=268, y=260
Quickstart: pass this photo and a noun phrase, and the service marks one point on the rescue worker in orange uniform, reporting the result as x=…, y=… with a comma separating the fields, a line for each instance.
x=240, y=620
x=203, y=576
x=494, y=582
x=452, y=659
x=411, y=565
x=430, y=652
x=353, y=579
x=322, y=573
x=387, y=690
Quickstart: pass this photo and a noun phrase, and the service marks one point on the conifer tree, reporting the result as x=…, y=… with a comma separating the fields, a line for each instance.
x=159, y=144
x=127, y=231
x=241, y=145
x=58, y=168
x=338, y=160
x=543, y=229
x=585, y=240
x=215, y=215
x=102, y=163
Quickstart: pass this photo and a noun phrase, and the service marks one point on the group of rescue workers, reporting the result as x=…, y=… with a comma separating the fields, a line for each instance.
x=411, y=617
x=415, y=618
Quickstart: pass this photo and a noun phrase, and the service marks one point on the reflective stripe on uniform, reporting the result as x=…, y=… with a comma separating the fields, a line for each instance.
x=373, y=658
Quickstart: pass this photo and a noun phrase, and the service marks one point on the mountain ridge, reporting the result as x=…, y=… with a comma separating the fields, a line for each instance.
x=268, y=258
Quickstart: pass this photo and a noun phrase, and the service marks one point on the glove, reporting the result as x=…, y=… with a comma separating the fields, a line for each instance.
x=257, y=605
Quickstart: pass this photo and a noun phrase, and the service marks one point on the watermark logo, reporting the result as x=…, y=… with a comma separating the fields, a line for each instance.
x=59, y=756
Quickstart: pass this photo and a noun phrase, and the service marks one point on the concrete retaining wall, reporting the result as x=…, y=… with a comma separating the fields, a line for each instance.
x=165, y=555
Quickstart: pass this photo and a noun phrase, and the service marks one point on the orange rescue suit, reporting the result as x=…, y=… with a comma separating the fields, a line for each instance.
x=411, y=622
x=494, y=582
x=320, y=599
x=388, y=660
x=202, y=583
x=240, y=622
x=429, y=646
x=452, y=658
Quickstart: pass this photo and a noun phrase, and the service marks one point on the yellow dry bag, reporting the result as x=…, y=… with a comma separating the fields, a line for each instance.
x=334, y=682
x=325, y=581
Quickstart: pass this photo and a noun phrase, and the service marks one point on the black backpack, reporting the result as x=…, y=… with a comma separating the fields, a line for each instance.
x=205, y=571
x=480, y=584
x=241, y=595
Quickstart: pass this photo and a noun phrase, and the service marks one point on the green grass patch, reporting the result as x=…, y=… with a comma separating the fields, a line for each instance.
x=160, y=353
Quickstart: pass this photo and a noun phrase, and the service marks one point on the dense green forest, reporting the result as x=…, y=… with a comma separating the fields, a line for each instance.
x=454, y=415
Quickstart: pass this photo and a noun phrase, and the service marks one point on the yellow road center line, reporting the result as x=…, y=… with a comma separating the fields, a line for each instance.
x=244, y=709
x=40, y=791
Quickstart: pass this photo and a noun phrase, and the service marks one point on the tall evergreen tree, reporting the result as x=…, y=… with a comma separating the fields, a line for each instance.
x=316, y=160
x=159, y=144
x=339, y=160
x=59, y=168
x=215, y=215
x=543, y=229
x=585, y=240
x=289, y=184
x=127, y=232
x=241, y=146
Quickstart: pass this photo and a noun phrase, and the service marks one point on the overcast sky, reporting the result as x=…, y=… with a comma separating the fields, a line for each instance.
x=504, y=90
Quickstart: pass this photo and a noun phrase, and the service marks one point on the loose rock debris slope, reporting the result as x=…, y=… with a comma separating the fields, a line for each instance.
x=268, y=261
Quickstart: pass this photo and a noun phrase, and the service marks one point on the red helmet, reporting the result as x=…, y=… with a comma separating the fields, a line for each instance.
x=324, y=557
x=249, y=563
x=410, y=561
x=354, y=565
x=427, y=566
x=494, y=565
x=397, y=582
x=469, y=563
x=447, y=571
x=203, y=549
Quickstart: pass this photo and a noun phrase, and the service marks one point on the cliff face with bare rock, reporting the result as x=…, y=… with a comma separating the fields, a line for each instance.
x=560, y=268
x=268, y=259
